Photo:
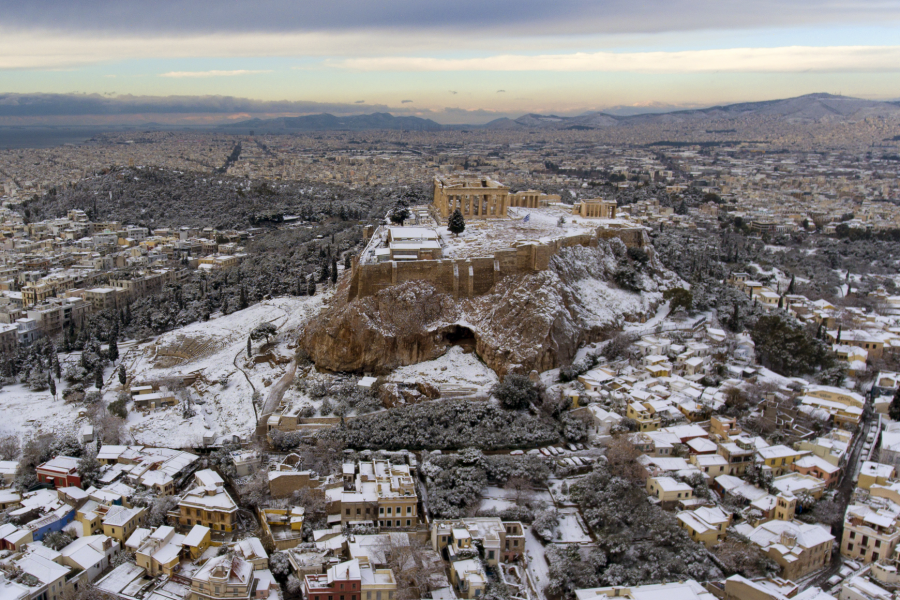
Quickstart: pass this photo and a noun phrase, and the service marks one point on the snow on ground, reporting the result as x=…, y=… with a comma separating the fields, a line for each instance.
x=484, y=237
x=226, y=379
x=661, y=313
x=606, y=304
x=572, y=529
x=26, y=412
x=455, y=367
x=764, y=374
x=500, y=498
x=537, y=561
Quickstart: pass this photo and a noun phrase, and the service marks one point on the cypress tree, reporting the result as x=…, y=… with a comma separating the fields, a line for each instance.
x=894, y=407
x=122, y=376
x=311, y=287
x=98, y=378
x=334, y=273
x=790, y=289
x=52, y=385
x=113, y=352
x=249, y=348
x=243, y=299
x=838, y=339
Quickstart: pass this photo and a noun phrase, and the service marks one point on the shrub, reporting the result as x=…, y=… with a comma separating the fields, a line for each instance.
x=516, y=392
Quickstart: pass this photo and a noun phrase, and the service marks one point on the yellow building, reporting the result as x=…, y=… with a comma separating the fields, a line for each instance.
x=705, y=525
x=873, y=473
x=207, y=503
x=668, y=491
x=647, y=421
x=119, y=522
x=869, y=535
x=779, y=458
x=282, y=526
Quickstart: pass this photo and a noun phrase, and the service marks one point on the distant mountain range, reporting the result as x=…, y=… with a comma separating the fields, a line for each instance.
x=803, y=109
x=328, y=122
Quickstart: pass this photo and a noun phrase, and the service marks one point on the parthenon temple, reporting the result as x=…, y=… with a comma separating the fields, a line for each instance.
x=476, y=197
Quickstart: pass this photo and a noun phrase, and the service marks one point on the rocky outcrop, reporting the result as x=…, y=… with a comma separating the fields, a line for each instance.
x=529, y=321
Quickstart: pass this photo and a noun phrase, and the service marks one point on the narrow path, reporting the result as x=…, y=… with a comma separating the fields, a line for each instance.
x=281, y=386
x=278, y=390
x=244, y=373
x=844, y=494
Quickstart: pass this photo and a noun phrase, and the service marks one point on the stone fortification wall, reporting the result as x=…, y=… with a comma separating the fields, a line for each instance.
x=462, y=278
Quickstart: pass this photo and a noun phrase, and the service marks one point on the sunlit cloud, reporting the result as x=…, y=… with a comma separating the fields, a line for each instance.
x=188, y=74
x=51, y=50
x=776, y=60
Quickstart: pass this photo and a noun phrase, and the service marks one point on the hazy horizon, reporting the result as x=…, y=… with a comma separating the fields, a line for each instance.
x=462, y=63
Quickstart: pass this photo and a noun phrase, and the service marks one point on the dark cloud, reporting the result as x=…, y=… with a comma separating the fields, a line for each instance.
x=405, y=101
x=360, y=102
x=510, y=16
x=39, y=105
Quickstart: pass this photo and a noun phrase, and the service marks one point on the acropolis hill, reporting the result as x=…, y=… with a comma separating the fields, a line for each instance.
x=506, y=234
x=418, y=289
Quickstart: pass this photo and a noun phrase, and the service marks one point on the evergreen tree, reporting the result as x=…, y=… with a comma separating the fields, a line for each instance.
x=838, y=338
x=52, y=385
x=249, y=348
x=311, y=287
x=819, y=332
x=113, y=352
x=326, y=273
x=894, y=408
x=780, y=302
x=348, y=262
x=123, y=377
x=334, y=271
x=98, y=377
x=242, y=304
x=127, y=314
x=456, y=224
x=790, y=289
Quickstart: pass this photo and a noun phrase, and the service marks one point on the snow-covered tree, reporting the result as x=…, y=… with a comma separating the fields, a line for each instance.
x=279, y=564
x=57, y=540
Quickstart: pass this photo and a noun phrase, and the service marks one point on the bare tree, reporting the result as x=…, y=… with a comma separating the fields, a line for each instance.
x=622, y=457
x=418, y=568
x=522, y=489
x=108, y=428
x=9, y=447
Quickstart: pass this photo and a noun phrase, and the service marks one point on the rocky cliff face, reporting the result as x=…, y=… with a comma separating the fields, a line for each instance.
x=533, y=321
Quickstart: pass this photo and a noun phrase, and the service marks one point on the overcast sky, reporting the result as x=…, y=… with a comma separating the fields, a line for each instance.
x=456, y=61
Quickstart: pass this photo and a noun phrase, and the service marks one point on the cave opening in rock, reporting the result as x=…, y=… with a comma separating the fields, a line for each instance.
x=458, y=335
